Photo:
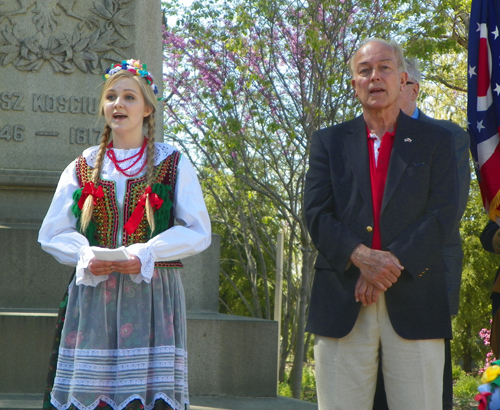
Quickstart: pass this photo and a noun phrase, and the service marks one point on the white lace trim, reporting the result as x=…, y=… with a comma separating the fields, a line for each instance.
x=83, y=275
x=162, y=151
x=118, y=368
x=71, y=400
x=143, y=252
x=121, y=352
x=114, y=383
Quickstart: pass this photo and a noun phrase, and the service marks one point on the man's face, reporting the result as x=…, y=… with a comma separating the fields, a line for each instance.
x=408, y=97
x=377, y=79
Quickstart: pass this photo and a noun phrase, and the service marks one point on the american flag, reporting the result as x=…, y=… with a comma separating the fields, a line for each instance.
x=483, y=109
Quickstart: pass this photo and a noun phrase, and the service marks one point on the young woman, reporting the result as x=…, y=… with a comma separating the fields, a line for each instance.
x=121, y=340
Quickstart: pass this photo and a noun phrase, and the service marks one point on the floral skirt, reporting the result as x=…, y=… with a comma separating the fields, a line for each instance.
x=121, y=345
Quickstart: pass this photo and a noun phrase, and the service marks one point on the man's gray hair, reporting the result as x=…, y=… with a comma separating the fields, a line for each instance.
x=413, y=69
x=398, y=52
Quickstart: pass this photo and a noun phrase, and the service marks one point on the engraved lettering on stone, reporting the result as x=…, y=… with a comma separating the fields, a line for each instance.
x=55, y=32
x=14, y=132
x=6, y=101
x=17, y=104
x=5, y=133
x=92, y=106
x=11, y=101
x=46, y=133
x=62, y=104
x=38, y=102
x=50, y=103
x=18, y=132
x=75, y=105
x=88, y=136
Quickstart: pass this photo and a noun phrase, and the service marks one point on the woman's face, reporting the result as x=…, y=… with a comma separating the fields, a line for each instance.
x=125, y=109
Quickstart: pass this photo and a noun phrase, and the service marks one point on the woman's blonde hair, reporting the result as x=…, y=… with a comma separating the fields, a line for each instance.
x=150, y=101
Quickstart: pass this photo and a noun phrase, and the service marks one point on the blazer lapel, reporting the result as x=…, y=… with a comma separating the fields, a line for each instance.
x=401, y=153
x=356, y=146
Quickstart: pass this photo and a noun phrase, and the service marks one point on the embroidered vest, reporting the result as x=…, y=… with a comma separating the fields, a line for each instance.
x=105, y=217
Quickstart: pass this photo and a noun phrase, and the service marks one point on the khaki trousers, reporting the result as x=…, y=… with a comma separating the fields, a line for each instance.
x=346, y=368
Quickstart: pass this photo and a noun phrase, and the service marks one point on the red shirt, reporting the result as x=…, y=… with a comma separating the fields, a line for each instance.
x=378, y=176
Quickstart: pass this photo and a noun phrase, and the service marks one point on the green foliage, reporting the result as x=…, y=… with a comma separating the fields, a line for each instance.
x=479, y=268
x=433, y=30
x=249, y=81
x=284, y=390
x=308, y=391
x=247, y=220
x=465, y=389
x=457, y=372
x=309, y=385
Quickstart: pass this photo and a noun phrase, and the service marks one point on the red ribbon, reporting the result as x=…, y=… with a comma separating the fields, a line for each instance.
x=136, y=217
x=90, y=189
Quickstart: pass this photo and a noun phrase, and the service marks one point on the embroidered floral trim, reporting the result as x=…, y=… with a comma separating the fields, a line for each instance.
x=121, y=352
x=105, y=214
x=135, y=188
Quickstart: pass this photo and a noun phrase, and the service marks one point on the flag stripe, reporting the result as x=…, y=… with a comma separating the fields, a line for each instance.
x=483, y=108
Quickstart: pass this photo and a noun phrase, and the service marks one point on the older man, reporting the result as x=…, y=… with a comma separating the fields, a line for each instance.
x=380, y=202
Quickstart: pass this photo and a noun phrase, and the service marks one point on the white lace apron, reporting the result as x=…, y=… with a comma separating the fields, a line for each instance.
x=123, y=341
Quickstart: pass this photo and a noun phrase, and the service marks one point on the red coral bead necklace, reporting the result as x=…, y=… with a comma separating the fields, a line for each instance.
x=111, y=155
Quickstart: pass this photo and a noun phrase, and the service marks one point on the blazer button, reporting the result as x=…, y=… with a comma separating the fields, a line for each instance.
x=369, y=229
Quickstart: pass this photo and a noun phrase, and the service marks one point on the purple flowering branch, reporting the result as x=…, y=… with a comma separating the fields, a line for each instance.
x=248, y=85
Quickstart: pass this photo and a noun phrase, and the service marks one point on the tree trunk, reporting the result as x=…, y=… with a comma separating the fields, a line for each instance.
x=298, y=364
x=285, y=337
x=306, y=347
x=467, y=354
x=284, y=348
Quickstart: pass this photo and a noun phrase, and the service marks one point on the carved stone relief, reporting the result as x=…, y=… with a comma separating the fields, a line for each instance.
x=55, y=32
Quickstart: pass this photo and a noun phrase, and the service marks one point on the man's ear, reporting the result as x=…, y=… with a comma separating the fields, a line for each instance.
x=415, y=92
x=353, y=83
x=403, y=80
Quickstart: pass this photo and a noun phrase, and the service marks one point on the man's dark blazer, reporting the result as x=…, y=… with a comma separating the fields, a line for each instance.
x=452, y=251
x=489, y=231
x=419, y=211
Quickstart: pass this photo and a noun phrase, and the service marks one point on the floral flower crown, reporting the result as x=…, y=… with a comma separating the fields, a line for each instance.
x=135, y=67
x=489, y=391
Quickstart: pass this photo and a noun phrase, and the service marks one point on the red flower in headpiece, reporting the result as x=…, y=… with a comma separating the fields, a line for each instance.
x=482, y=398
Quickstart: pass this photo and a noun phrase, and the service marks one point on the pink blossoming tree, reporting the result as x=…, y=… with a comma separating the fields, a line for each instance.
x=247, y=83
